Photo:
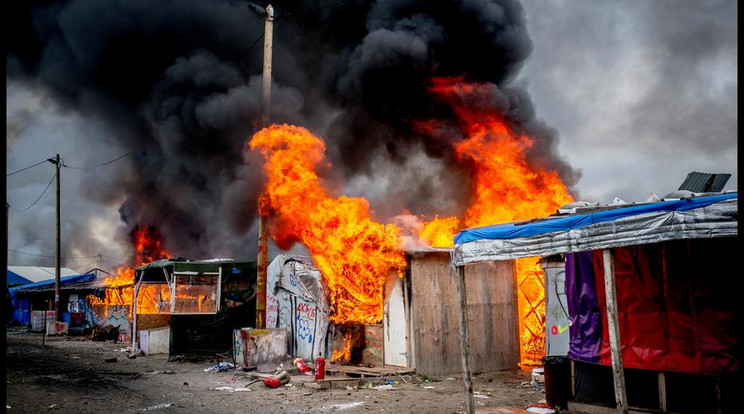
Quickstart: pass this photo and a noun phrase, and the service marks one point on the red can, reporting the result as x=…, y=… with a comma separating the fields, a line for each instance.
x=319, y=368
x=300, y=364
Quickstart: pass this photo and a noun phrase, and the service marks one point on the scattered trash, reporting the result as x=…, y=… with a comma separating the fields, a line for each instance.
x=538, y=375
x=480, y=396
x=275, y=381
x=344, y=406
x=157, y=407
x=185, y=383
x=231, y=389
x=301, y=366
x=540, y=408
x=450, y=379
x=429, y=388
x=114, y=359
x=122, y=350
x=220, y=367
x=53, y=405
x=390, y=381
x=384, y=387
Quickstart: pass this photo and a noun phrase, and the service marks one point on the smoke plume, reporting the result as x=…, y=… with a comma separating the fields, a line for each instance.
x=178, y=84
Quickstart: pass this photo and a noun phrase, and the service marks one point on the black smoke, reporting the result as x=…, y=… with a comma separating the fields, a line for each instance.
x=178, y=84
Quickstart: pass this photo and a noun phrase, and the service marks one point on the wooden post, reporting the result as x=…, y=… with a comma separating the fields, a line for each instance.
x=57, y=253
x=613, y=328
x=464, y=337
x=662, y=392
x=263, y=230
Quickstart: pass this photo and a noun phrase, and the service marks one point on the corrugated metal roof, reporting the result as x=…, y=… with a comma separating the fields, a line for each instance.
x=698, y=182
x=36, y=273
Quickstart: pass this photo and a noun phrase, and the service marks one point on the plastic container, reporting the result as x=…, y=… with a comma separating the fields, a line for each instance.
x=319, y=368
x=557, y=381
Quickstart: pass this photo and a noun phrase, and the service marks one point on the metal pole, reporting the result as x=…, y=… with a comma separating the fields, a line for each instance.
x=57, y=254
x=263, y=232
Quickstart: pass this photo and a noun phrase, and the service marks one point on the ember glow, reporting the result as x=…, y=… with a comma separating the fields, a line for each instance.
x=353, y=253
x=148, y=246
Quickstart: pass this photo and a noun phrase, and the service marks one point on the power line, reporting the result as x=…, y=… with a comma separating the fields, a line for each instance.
x=41, y=255
x=252, y=44
x=37, y=200
x=95, y=166
x=24, y=169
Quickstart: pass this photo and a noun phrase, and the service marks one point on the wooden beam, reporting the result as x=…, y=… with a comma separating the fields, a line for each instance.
x=613, y=328
x=464, y=348
x=662, y=392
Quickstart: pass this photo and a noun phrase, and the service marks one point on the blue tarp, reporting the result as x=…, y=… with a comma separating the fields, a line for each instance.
x=14, y=279
x=22, y=306
x=558, y=224
x=66, y=280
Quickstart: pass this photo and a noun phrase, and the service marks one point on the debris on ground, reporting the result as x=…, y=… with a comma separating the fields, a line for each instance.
x=540, y=409
x=111, y=359
x=231, y=389
x=220, y=367
x=157, y=407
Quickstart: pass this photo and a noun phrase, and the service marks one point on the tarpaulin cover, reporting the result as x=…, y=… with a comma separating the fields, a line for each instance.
x=678, y=306
x=699, y=217
x=66, y=280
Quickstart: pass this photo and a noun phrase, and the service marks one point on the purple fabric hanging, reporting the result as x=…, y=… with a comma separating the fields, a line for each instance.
x=585, y=332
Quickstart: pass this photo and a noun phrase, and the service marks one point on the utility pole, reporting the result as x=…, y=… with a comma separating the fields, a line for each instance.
x=263, y=232
x=57, y=253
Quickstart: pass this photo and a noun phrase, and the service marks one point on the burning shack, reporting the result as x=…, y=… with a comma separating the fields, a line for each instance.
x=419, y=319
x=652, y=316
x=201, y=302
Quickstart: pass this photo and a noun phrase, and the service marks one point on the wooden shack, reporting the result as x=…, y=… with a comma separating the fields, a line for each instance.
x=491, y=309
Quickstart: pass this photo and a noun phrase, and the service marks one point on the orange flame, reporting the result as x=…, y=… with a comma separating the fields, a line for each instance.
x=343, y=355
x=506, y=188
x=148, y=246
x=353, y=253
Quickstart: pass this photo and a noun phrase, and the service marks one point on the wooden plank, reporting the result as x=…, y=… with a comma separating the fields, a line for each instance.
x=492, y=312
x=662, y=391
x=464, y=343
x=613, y=328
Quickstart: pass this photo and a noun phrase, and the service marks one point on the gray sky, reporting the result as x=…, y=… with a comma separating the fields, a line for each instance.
x=641, y=92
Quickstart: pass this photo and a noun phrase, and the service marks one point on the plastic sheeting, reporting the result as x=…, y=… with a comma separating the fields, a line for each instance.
x=678, y=306
x=295, y=301
x=700, y=217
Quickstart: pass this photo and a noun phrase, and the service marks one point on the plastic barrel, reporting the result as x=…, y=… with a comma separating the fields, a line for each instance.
x=557, y=381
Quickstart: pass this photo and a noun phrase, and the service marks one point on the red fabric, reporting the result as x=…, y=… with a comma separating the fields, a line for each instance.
x=678, y=307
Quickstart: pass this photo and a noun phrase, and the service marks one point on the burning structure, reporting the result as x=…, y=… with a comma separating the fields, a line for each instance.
x=445, y=136
x=204, y=301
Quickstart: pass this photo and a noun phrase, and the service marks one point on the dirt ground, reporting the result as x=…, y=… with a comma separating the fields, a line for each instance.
x=72, y=375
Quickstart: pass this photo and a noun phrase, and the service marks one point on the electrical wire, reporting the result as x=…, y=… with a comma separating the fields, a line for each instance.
x=41, y=255
x=96, y=166
x=24, y=169
x=251, y=46
x=37, y=200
